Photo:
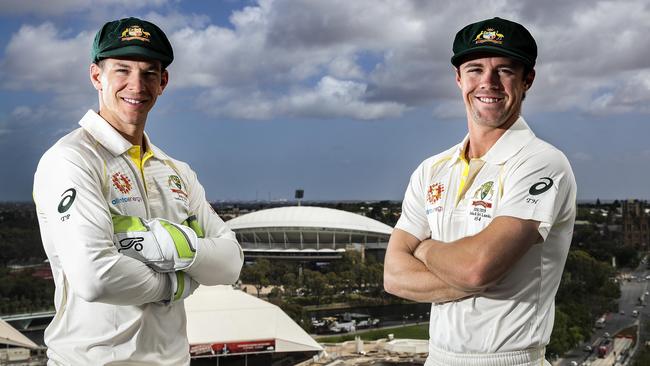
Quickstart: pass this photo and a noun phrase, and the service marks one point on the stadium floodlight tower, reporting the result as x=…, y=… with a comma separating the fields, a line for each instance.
x=300, y=193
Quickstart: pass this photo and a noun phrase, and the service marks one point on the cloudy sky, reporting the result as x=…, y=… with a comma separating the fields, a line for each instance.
x=341, y=98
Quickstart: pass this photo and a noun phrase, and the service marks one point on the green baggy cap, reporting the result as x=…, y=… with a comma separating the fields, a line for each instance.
x=496, y=36
x=132, y=37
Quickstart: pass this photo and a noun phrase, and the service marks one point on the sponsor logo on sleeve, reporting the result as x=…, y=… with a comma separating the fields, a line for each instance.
x=538, y=188
x=541, y=187
x=66, y=202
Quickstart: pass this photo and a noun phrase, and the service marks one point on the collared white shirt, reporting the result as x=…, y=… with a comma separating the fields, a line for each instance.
x=109, y=308
x=522, y=177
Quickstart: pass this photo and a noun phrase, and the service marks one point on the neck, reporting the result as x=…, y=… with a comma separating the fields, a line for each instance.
x=133, y=133
x=482, y=138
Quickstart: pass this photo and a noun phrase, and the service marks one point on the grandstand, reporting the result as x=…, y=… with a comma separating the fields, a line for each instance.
x=309, y=233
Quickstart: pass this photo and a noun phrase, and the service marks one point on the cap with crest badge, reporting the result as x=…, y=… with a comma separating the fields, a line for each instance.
x=495, y=36
x=132, y=37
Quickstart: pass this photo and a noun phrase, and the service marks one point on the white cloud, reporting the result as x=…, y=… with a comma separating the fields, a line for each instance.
x=282, y=58
x=61, y=7
x=330, y=98
x=39, y=58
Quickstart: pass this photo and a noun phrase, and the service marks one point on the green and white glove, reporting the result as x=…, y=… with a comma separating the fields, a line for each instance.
x=193, y=223
x=158, y=243
x=182, y=286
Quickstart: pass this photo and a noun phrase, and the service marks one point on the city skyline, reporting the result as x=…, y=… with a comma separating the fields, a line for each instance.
x=342, y=99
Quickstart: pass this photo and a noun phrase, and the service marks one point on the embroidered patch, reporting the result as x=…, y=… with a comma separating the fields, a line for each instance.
x=434, y=193
x=121, y=182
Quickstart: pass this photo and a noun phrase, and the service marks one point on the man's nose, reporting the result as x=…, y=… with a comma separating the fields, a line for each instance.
x=136, y=81
x=490, y=79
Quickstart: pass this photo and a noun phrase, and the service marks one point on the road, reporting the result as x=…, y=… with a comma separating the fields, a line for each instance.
x=631, y=290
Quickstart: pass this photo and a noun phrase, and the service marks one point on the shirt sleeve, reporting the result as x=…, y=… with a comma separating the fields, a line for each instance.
x=77, y=231
x=219, y=257
x=541, y=188
x=413, y=219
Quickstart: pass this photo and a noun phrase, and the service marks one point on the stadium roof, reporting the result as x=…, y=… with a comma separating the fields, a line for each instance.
x=306, y=217
x=9, y=335
x=219, y=314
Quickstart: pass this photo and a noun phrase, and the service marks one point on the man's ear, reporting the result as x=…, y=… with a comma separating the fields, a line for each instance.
x=164, y=79
x=95, y=76
x=457, y=70
x=529, y=78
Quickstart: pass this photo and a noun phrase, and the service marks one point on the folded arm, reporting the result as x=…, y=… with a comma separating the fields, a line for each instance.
x=407, y=277
x=77, y=233
x=475, y=262
x=219, y=257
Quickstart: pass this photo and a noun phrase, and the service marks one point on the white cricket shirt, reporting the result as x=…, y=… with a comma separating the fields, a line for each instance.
x=108, y=308
x=522, y=177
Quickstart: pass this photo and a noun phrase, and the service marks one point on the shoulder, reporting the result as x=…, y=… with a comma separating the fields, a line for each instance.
x=77, y=148
x=538, y=154
x=438, y=161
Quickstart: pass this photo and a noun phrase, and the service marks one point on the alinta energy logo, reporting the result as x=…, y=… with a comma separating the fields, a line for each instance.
x=121, y=182
x=434, y=193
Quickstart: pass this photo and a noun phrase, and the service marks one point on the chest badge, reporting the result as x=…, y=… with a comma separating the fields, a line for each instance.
x=484, y=194
x=176, y=186
x=121, y=182
x=434, y=193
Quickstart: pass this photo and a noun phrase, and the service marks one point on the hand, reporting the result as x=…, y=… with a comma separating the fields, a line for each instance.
x=160, y=244
x=193, y=223
x=421, y=251
x=182, y=286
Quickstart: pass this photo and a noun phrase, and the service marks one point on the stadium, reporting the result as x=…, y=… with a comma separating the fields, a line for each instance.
x=306, y=233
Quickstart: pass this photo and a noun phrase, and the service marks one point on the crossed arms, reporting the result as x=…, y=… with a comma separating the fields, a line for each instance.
x=435, y=271
x=78, y=238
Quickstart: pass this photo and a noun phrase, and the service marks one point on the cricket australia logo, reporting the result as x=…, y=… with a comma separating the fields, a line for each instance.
x=121, y=182
x=434, y=193
x=176, y=186
x=483, y=194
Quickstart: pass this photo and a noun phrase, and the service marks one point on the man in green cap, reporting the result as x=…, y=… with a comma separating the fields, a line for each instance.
x=127, y=229
x=486, y=225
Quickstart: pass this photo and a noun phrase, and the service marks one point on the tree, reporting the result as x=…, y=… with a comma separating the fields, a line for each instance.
x=290, y=283
x=257, y=274
x=315, y=283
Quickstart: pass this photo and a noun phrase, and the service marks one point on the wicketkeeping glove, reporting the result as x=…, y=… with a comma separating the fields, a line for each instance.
x=160, y=244
x=182, y=286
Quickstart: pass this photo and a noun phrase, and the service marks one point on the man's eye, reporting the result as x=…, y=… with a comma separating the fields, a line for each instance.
x=121, y=70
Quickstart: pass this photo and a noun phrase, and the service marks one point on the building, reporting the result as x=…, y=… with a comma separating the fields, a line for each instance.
x=229, y=327
x=309, y=233
x=636, y=231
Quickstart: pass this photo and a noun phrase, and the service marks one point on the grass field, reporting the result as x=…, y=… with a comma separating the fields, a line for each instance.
x=412, y=331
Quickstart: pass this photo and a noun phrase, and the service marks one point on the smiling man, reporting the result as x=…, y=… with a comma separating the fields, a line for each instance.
x=127, y=229
x=486, y=225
